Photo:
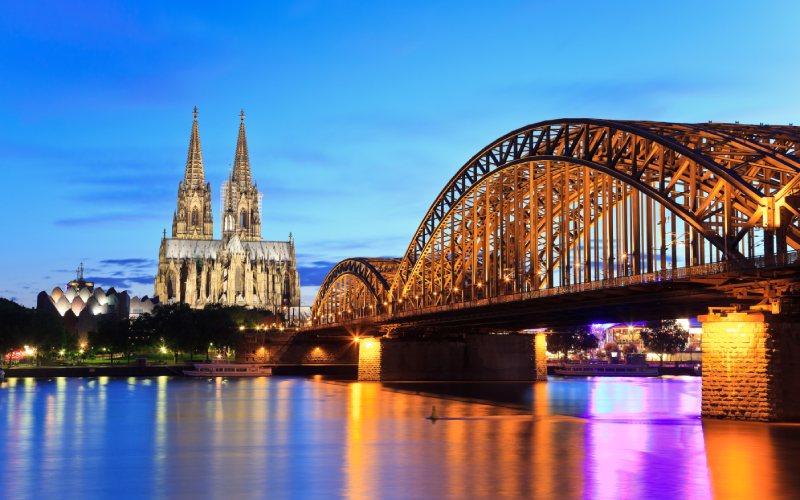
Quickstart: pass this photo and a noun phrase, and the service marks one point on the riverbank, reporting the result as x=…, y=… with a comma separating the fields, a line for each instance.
x=662, y=370
x=343, y=371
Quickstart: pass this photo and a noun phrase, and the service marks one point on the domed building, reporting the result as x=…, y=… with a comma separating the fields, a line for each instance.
x=81, y=305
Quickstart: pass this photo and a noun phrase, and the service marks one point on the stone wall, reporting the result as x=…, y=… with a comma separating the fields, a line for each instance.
x=467, y=357
x=540, y=355
x=369, y=359
x=283, y=349
x=751, y=366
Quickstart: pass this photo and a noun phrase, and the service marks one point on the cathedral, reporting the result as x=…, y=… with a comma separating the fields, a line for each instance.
x=240, y=269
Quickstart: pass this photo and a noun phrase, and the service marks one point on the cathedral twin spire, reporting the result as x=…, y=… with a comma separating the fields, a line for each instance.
x=241, y=200
x=241, y=162
x=241, y=205
x=194, y=175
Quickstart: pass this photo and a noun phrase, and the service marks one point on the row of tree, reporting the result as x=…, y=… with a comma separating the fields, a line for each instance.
x=175, y=327
x=180, y=329
x=660, y=337
x=42, y=332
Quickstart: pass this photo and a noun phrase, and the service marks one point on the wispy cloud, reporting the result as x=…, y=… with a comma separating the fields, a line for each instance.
x=313, y=273
x=132, y=262
x=104, y=219
x=122, y=282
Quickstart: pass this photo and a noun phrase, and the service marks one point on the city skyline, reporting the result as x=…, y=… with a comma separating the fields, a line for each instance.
x=356, y=115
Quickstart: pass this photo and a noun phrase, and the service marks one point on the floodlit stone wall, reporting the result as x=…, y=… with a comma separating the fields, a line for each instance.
x=540, y=356
x=369, y=359
x=751, y=366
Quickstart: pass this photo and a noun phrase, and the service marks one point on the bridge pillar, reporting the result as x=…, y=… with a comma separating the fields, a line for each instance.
x=751, y=365
x=369, y=359
x=485, y=357
x=540, y=356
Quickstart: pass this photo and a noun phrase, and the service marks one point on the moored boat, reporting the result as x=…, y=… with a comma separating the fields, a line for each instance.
x=606, y=370
x=217, y=369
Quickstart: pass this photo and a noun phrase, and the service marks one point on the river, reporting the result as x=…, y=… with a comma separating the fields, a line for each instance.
x=286, y=437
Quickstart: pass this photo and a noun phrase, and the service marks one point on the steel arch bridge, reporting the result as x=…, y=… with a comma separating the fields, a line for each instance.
x=580, y=201
x=355, y=288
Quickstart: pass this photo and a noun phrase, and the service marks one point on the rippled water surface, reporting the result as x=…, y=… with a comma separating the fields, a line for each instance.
x=308, y=438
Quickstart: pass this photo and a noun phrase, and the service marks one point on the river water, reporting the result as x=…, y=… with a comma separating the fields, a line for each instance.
x=284, y=437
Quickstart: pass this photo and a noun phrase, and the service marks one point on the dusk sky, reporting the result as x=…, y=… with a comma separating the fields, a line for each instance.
x=357, y=113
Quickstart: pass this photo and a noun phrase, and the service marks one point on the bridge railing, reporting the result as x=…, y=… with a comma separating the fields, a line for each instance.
x=680, y=273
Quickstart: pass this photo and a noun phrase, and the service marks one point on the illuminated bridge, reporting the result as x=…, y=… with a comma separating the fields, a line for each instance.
x=577, y=220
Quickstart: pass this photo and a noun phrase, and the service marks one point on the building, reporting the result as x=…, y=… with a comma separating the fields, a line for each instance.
x=629, y=334
x=81, y=305
x=239, y=269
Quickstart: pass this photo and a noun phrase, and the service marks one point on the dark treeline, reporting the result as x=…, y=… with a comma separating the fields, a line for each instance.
x=44, y=333
x=179, y=329
x=175, y=328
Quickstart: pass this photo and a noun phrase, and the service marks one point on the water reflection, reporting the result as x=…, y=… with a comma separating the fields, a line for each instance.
x=297, y=438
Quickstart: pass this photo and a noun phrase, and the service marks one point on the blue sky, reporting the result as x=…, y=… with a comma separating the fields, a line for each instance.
x=357, y=112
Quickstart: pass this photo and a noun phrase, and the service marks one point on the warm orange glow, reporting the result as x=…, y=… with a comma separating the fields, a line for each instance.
x=241, y=328
x=369, y=343
x=356, y=340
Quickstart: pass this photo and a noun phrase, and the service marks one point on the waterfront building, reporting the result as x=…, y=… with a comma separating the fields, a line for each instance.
x=239, y=269
x=629, y=334
x=81, y=306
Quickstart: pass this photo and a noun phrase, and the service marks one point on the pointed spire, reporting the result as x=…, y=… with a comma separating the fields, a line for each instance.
x=241, y=163
x=194, y=176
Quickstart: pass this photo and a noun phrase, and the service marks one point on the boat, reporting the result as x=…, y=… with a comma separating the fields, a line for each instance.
x=222, y=369
x=606, y=370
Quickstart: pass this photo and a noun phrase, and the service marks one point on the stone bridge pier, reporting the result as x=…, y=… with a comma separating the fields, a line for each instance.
x=751, y=364
x=476, y=357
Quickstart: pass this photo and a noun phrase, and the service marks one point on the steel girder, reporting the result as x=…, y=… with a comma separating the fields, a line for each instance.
x=354, y=288
x=695, y=171
x=570, y=201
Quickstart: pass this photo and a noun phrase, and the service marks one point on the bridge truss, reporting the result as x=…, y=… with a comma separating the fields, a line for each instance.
x=354, y=288
x=568, y=202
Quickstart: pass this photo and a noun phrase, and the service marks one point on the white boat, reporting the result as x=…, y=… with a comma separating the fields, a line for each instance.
x=610, y=370
x=222, y=369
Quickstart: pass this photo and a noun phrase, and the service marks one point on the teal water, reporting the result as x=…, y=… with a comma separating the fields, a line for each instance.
x=309, y=438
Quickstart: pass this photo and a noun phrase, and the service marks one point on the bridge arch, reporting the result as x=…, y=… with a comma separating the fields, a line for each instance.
x=354, y=288
x=570, y=201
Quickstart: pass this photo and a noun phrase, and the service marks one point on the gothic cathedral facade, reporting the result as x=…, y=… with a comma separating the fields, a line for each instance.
x=240, y=269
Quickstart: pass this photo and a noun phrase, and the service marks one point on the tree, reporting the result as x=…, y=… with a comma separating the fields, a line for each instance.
x=584, y=339
x=14, y=321
x=47, y=333
x=215, y=325
x=176, y=324
x=664, y=337
x=574, y=339
x=113, y=334
x=142, y=333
